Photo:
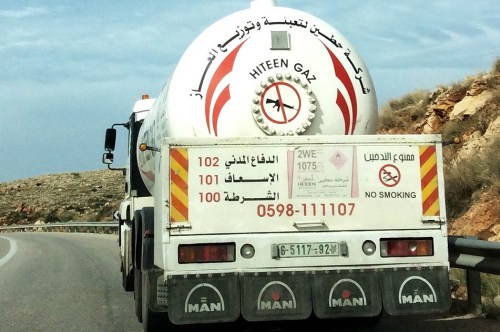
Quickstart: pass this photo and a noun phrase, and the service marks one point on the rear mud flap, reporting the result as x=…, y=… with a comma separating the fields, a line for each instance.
x=276, y=297
x=346, y=294
x=204, y=299
x=416, y=291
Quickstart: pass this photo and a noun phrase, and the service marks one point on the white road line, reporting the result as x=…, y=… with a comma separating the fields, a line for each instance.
x=11, y=253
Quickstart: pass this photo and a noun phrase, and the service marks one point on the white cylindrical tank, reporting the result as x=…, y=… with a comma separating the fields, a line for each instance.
x=266, y=70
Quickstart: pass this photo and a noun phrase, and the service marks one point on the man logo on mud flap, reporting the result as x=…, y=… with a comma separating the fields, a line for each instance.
x=276, y=295
x=346, y=293
x=204, y=298
x=416, y=289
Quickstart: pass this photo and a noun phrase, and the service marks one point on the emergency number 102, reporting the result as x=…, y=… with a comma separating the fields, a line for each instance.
x=208, y=161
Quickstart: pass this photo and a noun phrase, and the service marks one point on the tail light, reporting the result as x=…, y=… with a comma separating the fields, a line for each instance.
x=206, y=253
x=406, y=247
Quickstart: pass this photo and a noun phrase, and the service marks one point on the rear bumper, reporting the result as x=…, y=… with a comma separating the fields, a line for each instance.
x=298, y=295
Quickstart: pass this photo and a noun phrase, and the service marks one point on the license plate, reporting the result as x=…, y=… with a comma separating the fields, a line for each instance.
x=286, y=250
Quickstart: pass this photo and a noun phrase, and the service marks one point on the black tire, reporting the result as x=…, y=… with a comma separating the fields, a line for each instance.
x=151, y=320
x=127, y=280
x=137, y=239
x=154, y=318
x=138, y=293
x=127, y=271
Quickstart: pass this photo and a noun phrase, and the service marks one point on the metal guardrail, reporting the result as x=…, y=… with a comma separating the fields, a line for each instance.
x=110, y=227
x=474, y=256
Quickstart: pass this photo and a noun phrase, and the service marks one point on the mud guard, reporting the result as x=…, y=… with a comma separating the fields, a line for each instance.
x=277, y=296
x=347, y=294
x=416, y=291
x=203, y=299
x=147, y=231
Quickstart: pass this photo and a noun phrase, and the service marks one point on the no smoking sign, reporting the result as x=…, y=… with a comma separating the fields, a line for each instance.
x=389, y=175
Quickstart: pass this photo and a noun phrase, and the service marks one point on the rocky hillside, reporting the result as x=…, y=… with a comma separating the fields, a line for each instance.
x=466, y=113
x=82, y=196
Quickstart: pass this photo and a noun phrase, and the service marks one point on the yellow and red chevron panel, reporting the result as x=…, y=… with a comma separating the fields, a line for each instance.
x=429, y=181
x=178, y=184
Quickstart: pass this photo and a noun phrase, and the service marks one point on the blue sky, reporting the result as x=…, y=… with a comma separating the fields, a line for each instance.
x=69, y=69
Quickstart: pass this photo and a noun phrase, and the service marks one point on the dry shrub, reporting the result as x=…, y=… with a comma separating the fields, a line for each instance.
x=454, y=128
x=495, y=68
x=468, y=176
x=410, y=99
x=495, y=98
x=403, y=113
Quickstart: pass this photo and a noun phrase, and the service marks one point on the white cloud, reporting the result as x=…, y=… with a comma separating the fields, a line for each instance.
x=24, y=12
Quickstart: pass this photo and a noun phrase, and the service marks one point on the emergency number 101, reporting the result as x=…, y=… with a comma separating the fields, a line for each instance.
x=209, y=179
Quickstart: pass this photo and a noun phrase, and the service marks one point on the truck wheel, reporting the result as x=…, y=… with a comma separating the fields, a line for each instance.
x=151, y=320
x=153, y=317
x=138, y=293
x=127, y=279
x=137, y=240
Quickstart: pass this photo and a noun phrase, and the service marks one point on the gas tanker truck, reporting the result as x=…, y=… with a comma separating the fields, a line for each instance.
x=257, y=189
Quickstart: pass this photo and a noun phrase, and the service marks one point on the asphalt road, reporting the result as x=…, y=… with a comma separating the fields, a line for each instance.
x=63, y=282
x=72, y=282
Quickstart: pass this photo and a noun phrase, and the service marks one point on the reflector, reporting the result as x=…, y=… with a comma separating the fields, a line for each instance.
x=406, y=247
x=206, y=253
